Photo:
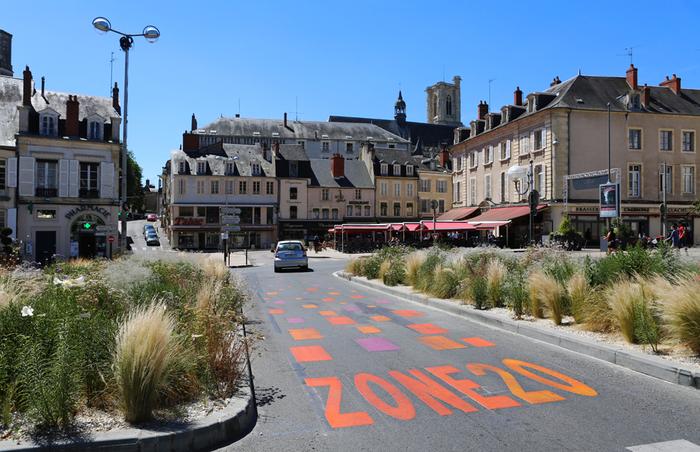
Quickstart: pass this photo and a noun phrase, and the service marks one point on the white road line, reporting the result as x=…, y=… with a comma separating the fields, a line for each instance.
x=679, y=445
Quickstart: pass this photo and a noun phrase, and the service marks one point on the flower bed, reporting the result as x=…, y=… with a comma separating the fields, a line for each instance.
x=127, y=339
x=649, y=298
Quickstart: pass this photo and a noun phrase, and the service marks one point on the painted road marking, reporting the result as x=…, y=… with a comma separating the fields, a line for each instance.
x=368, y=329
x=377, y=344
x=679, y=445
x=295, y=320
x=478, y=342
x=304, y=334
x=380, y=318
x=275, y=311
x=279, y=302
x=408, y=313
x=334, y=293
x=440, y=343
x=310, y=353
x=309, y=306
x=327, y=299
x=341, y=320
x=351, y=309
x=271, y=294
x=357, y=296
x=328, y=313
x=427, y=328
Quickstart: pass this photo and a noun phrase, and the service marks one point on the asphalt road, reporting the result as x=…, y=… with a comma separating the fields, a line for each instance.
x=340, y=367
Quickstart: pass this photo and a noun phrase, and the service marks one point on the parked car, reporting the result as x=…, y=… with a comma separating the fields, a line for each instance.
x=151, y=217
x=149, y=228
x=290, y=254
x=152, y=239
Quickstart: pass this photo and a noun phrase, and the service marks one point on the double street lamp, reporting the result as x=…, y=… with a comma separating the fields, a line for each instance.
x=126, y=41
x=517, y=174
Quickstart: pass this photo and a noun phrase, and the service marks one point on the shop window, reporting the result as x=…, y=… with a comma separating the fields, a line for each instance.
x=45, y=214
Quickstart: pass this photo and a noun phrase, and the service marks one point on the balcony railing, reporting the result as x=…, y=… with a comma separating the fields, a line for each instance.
x=89, y=193
x=44, y=192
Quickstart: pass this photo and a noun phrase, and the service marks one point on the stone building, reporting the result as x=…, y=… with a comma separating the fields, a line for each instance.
x=444, y=103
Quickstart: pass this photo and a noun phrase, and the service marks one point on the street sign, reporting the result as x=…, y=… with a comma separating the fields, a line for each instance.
x=230, y=228
x=230, y=211
x=230, y=219
x=224, y=235
x=111, y=239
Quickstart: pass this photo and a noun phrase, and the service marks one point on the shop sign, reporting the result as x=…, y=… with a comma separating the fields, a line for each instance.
x=679, y=210
x=589, y=209
x=635, y=209
x=188, y=221
x=87, y=207
x=609, y=200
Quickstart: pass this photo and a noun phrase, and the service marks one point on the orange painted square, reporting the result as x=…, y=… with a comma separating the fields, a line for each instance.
x=309, y=306
x=371, y=306
x=380, y=318
x=369, y=329
x=328, y=313
x=427, y=328
x=312, y=289
x=305, y=334
x=408, y=313
x=271, y=293
x=341, y=320
x=478, y=342
x=343, y=302
x=328, y=299
x=276, y=311
x=334, y=293
x=310, y=353
x=440, y=343
x=357, y=296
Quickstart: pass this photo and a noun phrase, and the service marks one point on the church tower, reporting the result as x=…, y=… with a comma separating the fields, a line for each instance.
x=444, y=103
x=400, y=110
x=5, y=53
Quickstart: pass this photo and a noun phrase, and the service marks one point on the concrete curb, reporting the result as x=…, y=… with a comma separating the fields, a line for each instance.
x=648, y=365
x=216, y=430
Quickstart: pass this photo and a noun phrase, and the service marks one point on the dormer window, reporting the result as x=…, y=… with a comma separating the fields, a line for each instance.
x=201, y=167
x=255, y=168
x=397, y=169
x=48, y=123
x=384, y=169
x=182, y=167
x=531, y=105
x=409, y=170
x=634, y=102
x=95, y=130
x=230, y=167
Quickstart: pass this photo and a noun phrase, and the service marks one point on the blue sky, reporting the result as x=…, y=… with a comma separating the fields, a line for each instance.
x=344, y=58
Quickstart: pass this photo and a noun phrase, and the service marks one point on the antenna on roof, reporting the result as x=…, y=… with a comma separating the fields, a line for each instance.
x=239, y=106
x=111, y=72
x=629, y=51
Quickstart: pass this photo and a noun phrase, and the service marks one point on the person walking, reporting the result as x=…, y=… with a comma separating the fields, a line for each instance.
x=683, y=237
x=674, y=237
x=611, y=238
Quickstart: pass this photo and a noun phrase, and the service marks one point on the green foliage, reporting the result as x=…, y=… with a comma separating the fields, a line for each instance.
x=445, y=282
x=134, y=191
x=395, y=273
x=646, y=326
x=681, y=312
x=623, y=231
x=515, y=291
x=635, y=261
x=565, y=227
x=479, y=291
x=424, y=276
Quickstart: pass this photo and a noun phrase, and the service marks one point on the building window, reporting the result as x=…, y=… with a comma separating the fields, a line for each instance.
x=242, y=187
x=524, y=144
x=441, y=186
x=255, y=168
x=688, y=141
x=688, y=175
x=441, y=205
x=348, y=211
x=383, y=188
x=448, y=105
x=666, y=140
x=409, y=209
x=634, y=179
x=46, y=181
x=634, y=140
x=302, y=143
x=424, y=185
x=397, y=209
x=334, y=214
x=186, y=211
x=230, y=169
x=409, y=190
x=201, y=167
x=182, y=167
x=472, y=159
x=325, y=194
x=292, y=212
x=182, y=186
x=228, y=186
x=487, y=186
x=472, y=191
x=396, y=170
x=317, y=214
x=503, y=187
x=256, y=187
x=424, y=205
x=200, y=187
x=488, y=158
x=367, y=211
x=409, y=170
x=384, y=169
x=214, y=187
x=458, y=192
x=383, y=210
x=538, y=140
x=455, y=164
x=397, y=190
x=48, y=125
x=42, y=214
x=325, y=146
x=325, y=214
x=668, y=180
x=293, y=193
x=95, y=130
x=88, y=180
x=349, y=147
x=539, y=180
x=358, y=194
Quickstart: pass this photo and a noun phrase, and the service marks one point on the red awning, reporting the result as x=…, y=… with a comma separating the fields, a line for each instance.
x=460, y=213
x=362, y=227
x=504, y=213
x=413, y=227
x=397, y=227
x=448, y=226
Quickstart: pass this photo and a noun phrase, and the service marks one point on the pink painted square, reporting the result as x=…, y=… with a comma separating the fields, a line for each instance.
x=377, y=344
x=295, y=320
x=279, y=302
x=351, y=309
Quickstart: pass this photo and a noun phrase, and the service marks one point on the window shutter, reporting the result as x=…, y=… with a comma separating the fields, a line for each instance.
x=26, y=176
x=63, y=178
x=11, y=221
x=544, y=137
x=508, y=149
x=106, y=180
x=74, y=178
x=11, y=172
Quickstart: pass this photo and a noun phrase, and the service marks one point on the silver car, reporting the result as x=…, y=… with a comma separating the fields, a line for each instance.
x=290, y=254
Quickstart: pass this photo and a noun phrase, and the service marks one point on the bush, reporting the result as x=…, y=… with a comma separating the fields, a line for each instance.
x=146, y=349
x=354, y=267
x=579, y=291
x=495, y=274
x=395, y=274
x=515, y=292
x=681, y=313
x=635, y=261
x=424, y=276
x=370, y=266
x=479, y=291
x=413, y=264
x=632, y=305
x=445, y=282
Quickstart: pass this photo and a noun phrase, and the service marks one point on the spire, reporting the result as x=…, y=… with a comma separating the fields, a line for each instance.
x=400, y=110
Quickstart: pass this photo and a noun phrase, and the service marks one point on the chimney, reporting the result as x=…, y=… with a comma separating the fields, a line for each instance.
x=646, y=95
x=517, y=96
x=673, y=83
x=632, y=77
x=337, y=166
x=482, y=110
x=6, y=53
x=72, y=114
x=444, y=156
x=27, y=87
x=194, y=123
x=555, y=81
x=285, y=119
x=238, y=115
x=115, y=99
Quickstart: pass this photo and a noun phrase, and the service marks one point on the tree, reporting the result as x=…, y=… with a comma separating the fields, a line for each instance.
x=134, y=192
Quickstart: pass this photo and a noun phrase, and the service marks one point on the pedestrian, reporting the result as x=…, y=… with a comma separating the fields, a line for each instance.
x=611, y=238
x=674, y=237
x=683, y=237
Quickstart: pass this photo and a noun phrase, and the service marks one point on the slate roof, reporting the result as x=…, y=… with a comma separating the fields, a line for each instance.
x=429, y=135
x=392, y=156
x=296, y=129
x=356, y=175
x=292, y=152
x=11, y=98
x=219, y=154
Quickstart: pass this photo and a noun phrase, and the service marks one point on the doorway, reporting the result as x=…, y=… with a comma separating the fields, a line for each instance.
x=45, y=246
x=86, y=244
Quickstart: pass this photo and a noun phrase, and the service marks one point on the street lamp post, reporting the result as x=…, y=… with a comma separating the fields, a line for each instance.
x=517, y=173
x=126, y=41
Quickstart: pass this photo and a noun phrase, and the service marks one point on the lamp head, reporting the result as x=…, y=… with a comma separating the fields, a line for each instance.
x=517, y=172
x=151, y=33
x=101, y=24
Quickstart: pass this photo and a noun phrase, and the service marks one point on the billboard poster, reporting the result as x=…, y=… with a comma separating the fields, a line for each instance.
x=609, y=200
